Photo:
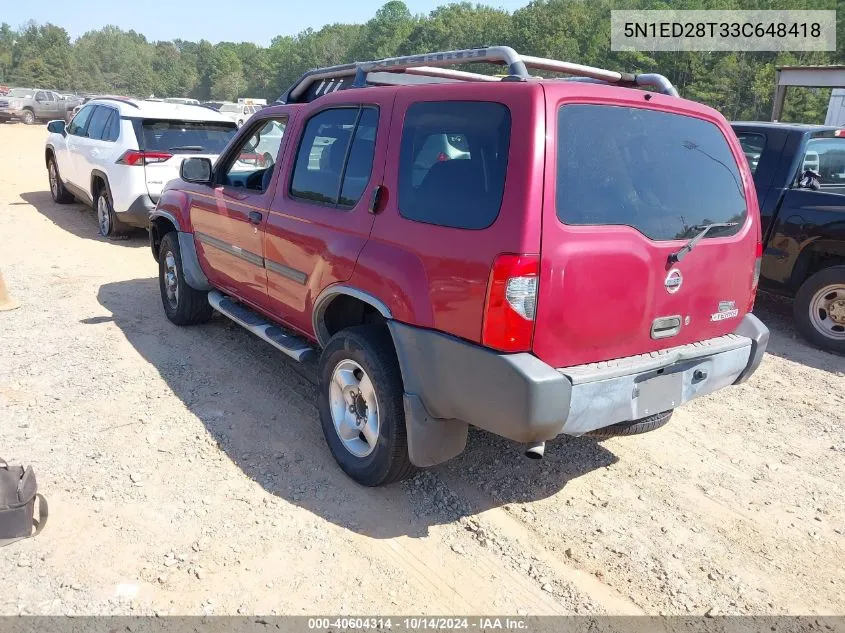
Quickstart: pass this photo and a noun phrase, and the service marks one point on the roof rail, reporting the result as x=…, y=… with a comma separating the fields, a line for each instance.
x=125, y=100
x=432, y=65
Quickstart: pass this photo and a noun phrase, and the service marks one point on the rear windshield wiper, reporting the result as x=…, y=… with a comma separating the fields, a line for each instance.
x=187, y=148
x=703, y=229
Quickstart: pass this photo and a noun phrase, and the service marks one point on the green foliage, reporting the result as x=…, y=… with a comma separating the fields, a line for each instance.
x=110, y=60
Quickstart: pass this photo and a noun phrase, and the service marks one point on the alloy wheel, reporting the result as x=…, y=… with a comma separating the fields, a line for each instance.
x=171, y=280
x=354, y=408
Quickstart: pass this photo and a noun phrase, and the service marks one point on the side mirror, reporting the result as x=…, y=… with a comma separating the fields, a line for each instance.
x=809, y=179
x=196, y=170
x=56, y=127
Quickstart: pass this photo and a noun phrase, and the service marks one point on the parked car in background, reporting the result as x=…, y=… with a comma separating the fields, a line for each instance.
x=533, y=257
x=799, y=175
x=4, y=90
x=30, y=105
x=214, y=105
x=238, y=112
x=117, y=154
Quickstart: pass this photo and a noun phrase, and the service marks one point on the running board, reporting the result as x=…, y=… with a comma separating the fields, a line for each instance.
x=283, y=340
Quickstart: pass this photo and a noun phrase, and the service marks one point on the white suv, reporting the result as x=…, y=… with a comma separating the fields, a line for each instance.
x=117, y=154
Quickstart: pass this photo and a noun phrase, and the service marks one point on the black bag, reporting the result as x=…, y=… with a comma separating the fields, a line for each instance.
x=18, y=491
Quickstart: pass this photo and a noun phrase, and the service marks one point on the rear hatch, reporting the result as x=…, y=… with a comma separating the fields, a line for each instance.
x=628, y=184
x=167, y=142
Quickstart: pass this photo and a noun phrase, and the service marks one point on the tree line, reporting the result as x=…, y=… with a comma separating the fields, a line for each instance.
x=114, y=61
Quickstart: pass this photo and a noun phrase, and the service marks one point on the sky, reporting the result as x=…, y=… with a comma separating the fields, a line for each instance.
x=257, y=21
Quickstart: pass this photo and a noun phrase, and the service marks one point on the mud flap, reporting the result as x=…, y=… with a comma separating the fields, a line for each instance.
x=431, y=440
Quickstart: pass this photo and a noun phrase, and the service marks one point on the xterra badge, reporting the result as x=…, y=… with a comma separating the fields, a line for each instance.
x=727, y=310
x=673, y=281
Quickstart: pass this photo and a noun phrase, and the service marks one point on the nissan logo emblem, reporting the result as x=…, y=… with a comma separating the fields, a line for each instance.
x=673, y=281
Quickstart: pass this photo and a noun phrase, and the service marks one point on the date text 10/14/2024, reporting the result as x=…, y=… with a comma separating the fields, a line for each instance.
x=418, y=624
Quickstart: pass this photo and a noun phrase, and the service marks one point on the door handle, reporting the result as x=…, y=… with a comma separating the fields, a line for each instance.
x=255, y=217
x=379, y=194
x=95, y=152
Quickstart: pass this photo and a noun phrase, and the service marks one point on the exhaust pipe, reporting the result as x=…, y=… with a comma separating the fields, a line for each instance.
x=535, y=450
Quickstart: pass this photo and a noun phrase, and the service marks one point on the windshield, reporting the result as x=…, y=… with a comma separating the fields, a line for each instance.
x=23, y=93
x=660, y=173
x=196, y=137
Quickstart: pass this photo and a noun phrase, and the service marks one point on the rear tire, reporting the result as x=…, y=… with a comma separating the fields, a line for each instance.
x=107, y=223
x=182, y=304
x=361, y=406
x=57, y=187
x=634, y=427
x=819, y=309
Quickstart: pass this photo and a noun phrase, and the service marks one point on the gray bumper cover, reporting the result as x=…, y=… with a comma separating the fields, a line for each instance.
x=450, y=383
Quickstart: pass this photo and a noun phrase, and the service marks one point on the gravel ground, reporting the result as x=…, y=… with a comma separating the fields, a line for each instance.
x=187, y=473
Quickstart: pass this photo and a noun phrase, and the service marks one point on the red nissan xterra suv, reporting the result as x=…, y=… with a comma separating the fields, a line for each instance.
x=530, y=256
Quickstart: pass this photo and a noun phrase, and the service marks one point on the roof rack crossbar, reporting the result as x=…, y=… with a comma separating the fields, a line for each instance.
x=432, y=64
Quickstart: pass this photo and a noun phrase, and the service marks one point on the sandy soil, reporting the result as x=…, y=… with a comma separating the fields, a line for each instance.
x=187, y=473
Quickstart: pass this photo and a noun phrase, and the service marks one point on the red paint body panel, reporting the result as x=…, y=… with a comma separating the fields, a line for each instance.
x=436, y=276
x=320, y=241
x=601, y=287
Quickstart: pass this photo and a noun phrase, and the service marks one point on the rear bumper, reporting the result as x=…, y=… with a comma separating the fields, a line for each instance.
x=450, y=383
x=138, y=212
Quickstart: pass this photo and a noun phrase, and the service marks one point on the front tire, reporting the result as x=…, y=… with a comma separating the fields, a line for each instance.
x=819, y=309
x=28, y=117
x=182, y=304
x=57, y=187
x=361, y=407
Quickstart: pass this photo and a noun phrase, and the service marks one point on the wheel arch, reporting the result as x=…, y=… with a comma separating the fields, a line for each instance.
x=161, y=223
x=814, y=257
x=341, y=306
x=98, y=174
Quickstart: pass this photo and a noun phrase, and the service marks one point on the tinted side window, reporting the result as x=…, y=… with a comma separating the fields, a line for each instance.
x=77, y=126
x=452, y=164
x=97, y=124
x=325, y=159
x=40, y=96
x=112, y=131
x=827, y=157
x=752, y=147
x=660, y=173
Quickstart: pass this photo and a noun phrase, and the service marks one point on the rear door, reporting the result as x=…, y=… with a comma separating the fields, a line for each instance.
x=167, y=142
x=320, y=218
x=628, y=183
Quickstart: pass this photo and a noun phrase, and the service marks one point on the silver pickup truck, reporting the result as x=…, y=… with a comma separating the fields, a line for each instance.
x=30, y=105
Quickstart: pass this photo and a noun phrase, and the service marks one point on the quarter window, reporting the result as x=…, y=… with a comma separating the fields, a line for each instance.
x=335, y=157
x=752, y=147
x=827, y=157
x=452, y=164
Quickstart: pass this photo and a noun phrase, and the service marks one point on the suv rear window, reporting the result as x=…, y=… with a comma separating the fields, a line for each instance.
x=660, y=173
x=452, y=162
x=196, y=137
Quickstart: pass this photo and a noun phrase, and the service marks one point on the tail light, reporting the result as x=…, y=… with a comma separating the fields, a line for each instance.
x=511, y=303
x=755, y=280
x=135, y=157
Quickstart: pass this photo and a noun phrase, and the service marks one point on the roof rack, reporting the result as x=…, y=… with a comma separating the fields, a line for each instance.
x=125, y=100
x=433, y=65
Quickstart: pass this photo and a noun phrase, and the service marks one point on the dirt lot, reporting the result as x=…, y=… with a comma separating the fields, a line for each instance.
x=187, y=473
